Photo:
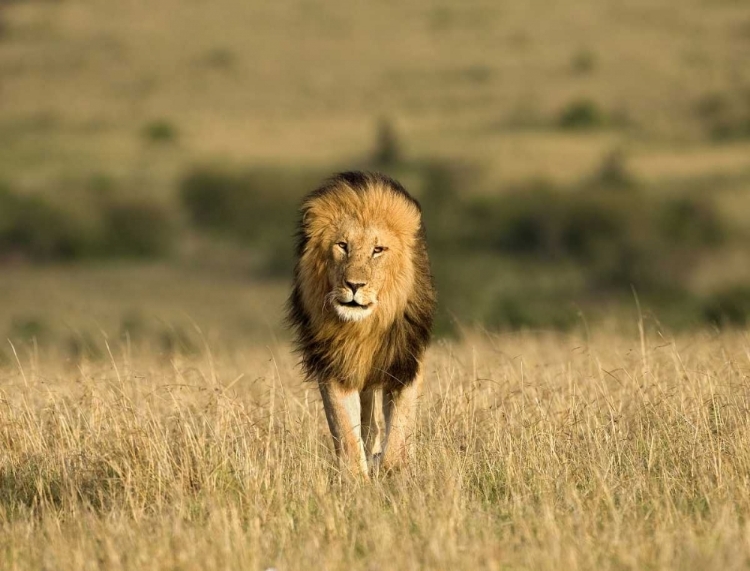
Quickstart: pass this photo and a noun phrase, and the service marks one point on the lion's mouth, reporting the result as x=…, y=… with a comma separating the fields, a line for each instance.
x=354, y=304
x=353, y=310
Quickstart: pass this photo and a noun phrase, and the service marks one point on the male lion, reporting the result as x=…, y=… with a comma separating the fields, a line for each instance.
x=361, y=308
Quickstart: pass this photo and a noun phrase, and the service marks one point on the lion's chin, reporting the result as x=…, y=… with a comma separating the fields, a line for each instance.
x=353, y=312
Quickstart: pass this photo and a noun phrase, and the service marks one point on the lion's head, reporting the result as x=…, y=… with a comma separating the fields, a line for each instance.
x=357, y=261
x=368, y=251
x=362, y=275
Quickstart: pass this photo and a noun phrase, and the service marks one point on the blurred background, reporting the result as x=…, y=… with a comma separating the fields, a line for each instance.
x=578, y=163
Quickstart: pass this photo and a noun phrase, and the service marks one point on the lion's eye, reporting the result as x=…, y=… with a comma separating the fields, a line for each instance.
x=377, y=250
x=342, y=245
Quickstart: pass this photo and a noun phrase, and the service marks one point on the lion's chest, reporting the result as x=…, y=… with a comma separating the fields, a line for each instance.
x=363, y=359
x=359, y=360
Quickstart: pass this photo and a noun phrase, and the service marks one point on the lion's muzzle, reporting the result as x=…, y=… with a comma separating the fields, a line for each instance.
x=353, y=302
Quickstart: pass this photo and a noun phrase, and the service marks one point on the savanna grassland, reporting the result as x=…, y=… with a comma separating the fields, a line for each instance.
x=594, y=146
x=89, y=86
x=535, y=451
x=584, y=169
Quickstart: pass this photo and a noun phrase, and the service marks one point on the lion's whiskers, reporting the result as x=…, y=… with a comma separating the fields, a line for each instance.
x=328, y=299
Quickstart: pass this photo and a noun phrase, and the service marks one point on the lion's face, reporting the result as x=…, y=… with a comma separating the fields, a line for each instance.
x=360, y=260
x=357, y=260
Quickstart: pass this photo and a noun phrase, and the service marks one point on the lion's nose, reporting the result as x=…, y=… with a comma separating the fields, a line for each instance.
x=354, y=286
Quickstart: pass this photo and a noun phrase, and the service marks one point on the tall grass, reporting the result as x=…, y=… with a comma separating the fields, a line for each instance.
x=534, y=451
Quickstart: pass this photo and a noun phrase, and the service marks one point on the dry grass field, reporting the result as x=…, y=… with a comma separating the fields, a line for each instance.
x=151, y=413
x=103, y=103
x=83, y=81
x=535, y=451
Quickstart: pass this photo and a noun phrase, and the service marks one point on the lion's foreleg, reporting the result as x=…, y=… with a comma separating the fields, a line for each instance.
x=371, y=411
x=343, y=412
x=399, y=408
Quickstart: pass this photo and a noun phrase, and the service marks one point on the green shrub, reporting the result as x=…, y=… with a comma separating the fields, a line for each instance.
x=583, y=62
x=35, y=229
x=256, y=207
x=175, y=339
x=594, y=225
x=259, y=207
x=728, y=308
x=621, y=238
x=30, y=228
x=28, y=328
x=582, y=114
x=725, y=117
x=511, y=222
x=136, y=229
x=219, y=58
x=530, y=312
x=211, y=198
x=244, y=204
x=691, y=222
x=133, y=327
x=440, y=200
x=613, y=173
x=83, y=346
x=160, y=131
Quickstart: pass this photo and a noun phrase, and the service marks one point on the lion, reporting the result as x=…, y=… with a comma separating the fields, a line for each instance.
x=361, y=308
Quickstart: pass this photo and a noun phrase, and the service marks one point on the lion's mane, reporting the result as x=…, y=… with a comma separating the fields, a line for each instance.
x=387, y=349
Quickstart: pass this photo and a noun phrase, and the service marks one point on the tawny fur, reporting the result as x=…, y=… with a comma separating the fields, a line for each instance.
x=362, y=307
x=379, y=349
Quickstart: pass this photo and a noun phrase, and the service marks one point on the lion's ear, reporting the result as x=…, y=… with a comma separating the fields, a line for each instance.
x=306, y=217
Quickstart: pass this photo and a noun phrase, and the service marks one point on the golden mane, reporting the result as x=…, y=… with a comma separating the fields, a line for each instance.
x=385, y=350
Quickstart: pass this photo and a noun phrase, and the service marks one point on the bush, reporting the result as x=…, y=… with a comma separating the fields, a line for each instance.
x=500, y=223
x=83, y=346
x=32, y=228
x=581, y=115
x=613, y=173
x=176, y=339
x=133, y=326
x=259, y=207
x=583, y=62
x=29, y=328
x=621, y=238
x=691, y=222
x=136, y=229
x=219, y=58
x=529, y=312
x=728, y=308
x=211, y=198
x=160, y=131
x=247, y=204
x=440, y=200
x=256, y=207
x=724, y=117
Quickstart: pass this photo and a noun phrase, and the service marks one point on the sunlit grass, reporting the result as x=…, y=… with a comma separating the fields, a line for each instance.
x=534, y=451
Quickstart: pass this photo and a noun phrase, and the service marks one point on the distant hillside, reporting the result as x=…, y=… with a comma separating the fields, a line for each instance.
x=537, y=88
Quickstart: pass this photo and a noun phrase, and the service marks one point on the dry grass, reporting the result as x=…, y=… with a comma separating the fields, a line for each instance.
x=535, y=452
x=92, y=300
x=302, y=82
